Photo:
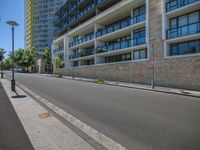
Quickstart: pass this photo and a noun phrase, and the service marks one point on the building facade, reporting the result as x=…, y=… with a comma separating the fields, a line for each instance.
x=39, y=28
x=122, y=40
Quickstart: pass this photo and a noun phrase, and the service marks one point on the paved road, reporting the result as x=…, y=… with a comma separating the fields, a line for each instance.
x=137, y=119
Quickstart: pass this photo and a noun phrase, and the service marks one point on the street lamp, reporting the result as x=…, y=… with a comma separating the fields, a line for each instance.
x=1, y=60
x=153, y=65
x=13, y=24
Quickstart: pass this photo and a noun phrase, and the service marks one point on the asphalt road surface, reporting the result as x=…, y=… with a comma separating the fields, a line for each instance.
x=137, y=119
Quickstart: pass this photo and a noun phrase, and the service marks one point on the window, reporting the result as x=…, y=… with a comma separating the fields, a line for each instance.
x=140, y=54
x=139, y=37
x=173, y=23
x=118, y=58
x=75, y=63
x=136, y=55
x=194, y=17
x=184, y=48
x=194, y=47
x=184, y=25
x=139, y=11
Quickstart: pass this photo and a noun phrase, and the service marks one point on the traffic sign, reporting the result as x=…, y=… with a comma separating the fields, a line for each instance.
x=151, y=64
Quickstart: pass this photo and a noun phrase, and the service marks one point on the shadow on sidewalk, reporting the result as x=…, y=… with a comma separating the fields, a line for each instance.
x=18, y=96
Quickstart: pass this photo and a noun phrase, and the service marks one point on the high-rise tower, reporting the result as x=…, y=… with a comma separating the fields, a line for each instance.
x=39, y=16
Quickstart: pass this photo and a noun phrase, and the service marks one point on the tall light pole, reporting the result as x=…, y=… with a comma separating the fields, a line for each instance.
x=13, y=24
x=153, y=64
x=1, y=60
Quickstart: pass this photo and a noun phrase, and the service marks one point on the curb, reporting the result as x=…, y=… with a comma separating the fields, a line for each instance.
x=179, y=92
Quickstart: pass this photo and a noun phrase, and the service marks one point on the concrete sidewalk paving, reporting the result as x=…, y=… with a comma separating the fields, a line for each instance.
x=44, y=130
x=183, y=92
x=12, y=133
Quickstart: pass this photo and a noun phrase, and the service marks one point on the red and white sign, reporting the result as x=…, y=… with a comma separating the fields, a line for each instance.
x=151, y=64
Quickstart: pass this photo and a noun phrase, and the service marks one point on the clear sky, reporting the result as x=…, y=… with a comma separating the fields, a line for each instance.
x=11, y=10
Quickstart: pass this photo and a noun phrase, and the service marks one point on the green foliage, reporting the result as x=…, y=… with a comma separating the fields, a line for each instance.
x=57, y=62
x=47, y=55
x=7, y=64
x=99, y=81
x=2, y=52
x=22, y=58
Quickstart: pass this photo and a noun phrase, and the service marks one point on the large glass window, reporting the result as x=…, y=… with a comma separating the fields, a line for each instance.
x=184, y=48
x=118, y=58
x=140, y=54
x=139, y=37
x=194, y=17
x=194, y=47
x=184, y=25
x=174, y=4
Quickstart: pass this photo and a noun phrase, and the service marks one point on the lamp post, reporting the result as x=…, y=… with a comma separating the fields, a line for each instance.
x=73, y=72
x=1, y=60
x=153, y=65
x=13, y=24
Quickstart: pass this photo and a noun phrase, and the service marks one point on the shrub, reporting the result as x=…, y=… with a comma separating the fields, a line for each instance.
x=99, y=81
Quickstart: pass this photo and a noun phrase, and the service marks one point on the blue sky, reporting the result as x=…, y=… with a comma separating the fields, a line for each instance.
x=11, y=10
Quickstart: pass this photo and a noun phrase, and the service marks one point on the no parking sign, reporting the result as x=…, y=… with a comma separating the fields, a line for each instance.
x=151, y=64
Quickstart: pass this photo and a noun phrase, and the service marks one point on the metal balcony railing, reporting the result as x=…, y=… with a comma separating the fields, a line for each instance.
x=60, y=49
x=81, y=54
x=121, y=45
x=185, y=30
x=174, y=4
x=120, y=25
x=82, y=40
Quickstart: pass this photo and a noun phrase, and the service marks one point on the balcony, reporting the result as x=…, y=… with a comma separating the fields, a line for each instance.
x=185, y=30
x=57, y=50
x=120, y=25
x=82, y=54
x=85, y=10
x=79, y=2
x=121, y=45
x=175, y=4
x=82, y=40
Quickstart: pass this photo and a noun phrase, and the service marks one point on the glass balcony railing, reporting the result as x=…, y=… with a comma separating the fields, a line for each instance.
x=185, y=30
x=85, y=10
x=80, y=2
x=174, y=4
x=121, y=45
x=121, y=25
x=81, y=54
x=60, y=49
x=82, y=40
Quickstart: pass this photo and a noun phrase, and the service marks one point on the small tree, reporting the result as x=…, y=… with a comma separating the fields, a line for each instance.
x=58, y=62
x=2, y=52
x=19, y=61
x=47, y=55
x=7, y=64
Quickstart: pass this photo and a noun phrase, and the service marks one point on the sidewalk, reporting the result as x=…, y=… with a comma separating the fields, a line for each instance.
x=138, y=86
x=12, y=133
x=44, y=130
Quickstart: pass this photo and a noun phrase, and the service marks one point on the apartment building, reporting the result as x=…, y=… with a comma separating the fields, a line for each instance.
x=123, y=39
x=39, y=28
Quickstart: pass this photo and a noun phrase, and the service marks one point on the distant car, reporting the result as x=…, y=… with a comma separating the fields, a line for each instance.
x=20, y=70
